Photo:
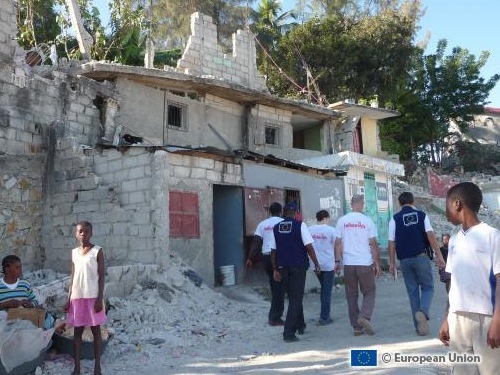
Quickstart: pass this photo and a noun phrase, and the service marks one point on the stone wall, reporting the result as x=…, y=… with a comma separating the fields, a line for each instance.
x=204, y=57
x=36, y=113
x=20, y=207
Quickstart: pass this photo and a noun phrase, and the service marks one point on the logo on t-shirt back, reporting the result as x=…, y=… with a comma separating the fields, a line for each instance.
x=358, y=224
x=319, y=236
x=285, y=227
x=410, y=219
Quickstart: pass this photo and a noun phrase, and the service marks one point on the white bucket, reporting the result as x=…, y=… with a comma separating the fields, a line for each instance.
x=227, y=273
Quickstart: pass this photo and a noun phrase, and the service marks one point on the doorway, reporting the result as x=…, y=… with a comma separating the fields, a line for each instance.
x=228, y=230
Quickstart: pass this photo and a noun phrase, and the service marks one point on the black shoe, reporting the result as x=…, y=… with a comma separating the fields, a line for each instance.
x=301, y=331
x=291, y=339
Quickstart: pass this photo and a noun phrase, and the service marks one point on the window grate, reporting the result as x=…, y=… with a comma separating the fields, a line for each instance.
x=272, y=136
x=174, y=115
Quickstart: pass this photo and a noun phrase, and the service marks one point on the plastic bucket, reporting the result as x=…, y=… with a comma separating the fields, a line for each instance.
x=227, y=273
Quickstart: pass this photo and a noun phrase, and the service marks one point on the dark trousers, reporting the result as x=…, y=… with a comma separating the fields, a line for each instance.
x=277, y=292
x=294, y=280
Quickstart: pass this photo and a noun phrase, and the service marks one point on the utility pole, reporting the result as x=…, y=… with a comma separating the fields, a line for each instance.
x=85, y=40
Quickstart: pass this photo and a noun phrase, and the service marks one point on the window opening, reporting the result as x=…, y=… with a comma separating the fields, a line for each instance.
x=175, y=115
x=272, y=135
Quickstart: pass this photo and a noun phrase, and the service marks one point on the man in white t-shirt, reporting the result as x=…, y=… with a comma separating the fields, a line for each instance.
x=262, y=242
x=357, y=248
x=472, y=321
x=324, y=246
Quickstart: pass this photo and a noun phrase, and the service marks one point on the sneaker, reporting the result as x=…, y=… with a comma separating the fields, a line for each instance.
x=291, y=339
x=322, y=322
x=275, y=323
x=422, y=326
x=366, y=326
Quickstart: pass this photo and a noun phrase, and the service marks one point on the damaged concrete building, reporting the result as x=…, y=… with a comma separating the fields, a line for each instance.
x=171, y=162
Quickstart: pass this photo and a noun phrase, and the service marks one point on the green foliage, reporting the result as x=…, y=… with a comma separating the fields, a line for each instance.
x=37, y=22
x=269, y=26
x=168, y=57
x=127, y=42
x=476, y=157
x=346, y=57
x=439, y=89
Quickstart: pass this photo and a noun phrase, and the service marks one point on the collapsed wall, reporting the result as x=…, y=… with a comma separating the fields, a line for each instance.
x=203, y=56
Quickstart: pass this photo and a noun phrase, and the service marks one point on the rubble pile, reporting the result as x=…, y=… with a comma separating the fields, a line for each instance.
x=168, y=316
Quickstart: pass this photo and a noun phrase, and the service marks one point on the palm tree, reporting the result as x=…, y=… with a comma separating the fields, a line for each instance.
x=268, y=27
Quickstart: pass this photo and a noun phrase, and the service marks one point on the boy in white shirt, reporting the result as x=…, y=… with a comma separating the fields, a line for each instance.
x=472, y=322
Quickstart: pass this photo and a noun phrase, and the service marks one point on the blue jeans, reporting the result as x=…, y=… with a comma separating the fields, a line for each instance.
x=417, y=273
x=326, y=281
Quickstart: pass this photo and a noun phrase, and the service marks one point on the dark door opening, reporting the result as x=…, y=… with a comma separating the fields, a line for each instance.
x=228, y=230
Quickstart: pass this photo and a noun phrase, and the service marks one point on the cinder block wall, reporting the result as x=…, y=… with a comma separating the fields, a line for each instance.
x=35, y=114
x=39, y=108
x=203, y=55
x=124, y=196
x=197, y=174
x=344, y=134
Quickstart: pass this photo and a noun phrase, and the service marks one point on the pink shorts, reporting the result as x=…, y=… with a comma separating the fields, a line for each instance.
x=81, y=313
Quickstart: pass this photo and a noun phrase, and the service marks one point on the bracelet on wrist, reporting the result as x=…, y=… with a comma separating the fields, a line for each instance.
x=337, y=261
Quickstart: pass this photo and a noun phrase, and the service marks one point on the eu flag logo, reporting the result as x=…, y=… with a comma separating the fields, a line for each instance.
x=364, y=358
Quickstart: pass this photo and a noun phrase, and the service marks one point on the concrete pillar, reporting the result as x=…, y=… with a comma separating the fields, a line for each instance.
x=85, y=40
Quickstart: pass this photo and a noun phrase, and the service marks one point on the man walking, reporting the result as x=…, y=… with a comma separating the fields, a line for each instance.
x=408, y=231
x=356, y=246
x=262, y=242
x=291, y=245
x=324, y=240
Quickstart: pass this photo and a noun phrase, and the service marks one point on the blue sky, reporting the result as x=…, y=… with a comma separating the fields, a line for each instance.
x=468, y=24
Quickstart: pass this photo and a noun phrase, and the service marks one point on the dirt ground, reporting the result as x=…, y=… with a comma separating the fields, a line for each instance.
x=245, y=344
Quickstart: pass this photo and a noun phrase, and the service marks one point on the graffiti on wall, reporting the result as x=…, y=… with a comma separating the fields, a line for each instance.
x=332, y=204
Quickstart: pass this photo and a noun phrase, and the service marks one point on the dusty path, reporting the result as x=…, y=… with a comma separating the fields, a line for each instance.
x=249, y=346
